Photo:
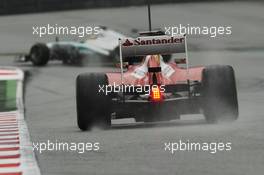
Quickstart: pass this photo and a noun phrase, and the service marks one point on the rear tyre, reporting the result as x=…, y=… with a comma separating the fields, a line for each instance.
x=93, y=107
x=39, y=54
x=219, y=93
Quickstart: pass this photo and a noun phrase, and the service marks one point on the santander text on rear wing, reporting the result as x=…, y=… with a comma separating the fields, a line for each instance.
x=151, y=45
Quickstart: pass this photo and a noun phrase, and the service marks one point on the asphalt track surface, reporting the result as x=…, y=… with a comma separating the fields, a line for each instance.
x=131, y=148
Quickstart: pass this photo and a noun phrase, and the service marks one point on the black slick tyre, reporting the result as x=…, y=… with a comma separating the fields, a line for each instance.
x=219, y=94
x=93, y=107
x=39, y=54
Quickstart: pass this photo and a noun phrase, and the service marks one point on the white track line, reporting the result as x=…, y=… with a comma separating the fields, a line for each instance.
x=8, y=133
x=10, y=170
x=7, y=161
x=9, y=146
x=8, y=137
x=9, y=153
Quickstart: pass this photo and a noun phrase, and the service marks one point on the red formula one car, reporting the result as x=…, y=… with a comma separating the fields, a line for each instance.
x=154, y=90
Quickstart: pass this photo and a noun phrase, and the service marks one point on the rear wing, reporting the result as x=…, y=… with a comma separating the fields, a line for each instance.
x=152, y=45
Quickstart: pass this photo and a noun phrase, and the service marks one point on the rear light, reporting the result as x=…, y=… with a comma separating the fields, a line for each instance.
x=155, y=94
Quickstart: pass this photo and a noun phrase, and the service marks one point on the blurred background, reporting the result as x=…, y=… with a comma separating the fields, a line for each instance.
x=29, y=6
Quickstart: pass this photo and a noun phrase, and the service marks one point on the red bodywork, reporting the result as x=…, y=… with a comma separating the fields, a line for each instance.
x=170, y=74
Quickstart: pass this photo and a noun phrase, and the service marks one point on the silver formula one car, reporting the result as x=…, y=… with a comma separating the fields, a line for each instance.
x=104, y=45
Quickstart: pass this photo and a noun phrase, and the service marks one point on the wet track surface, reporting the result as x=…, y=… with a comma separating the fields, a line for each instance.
x=130, y=148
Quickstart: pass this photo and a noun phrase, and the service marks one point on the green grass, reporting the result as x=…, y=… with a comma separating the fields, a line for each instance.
x=8, y=95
